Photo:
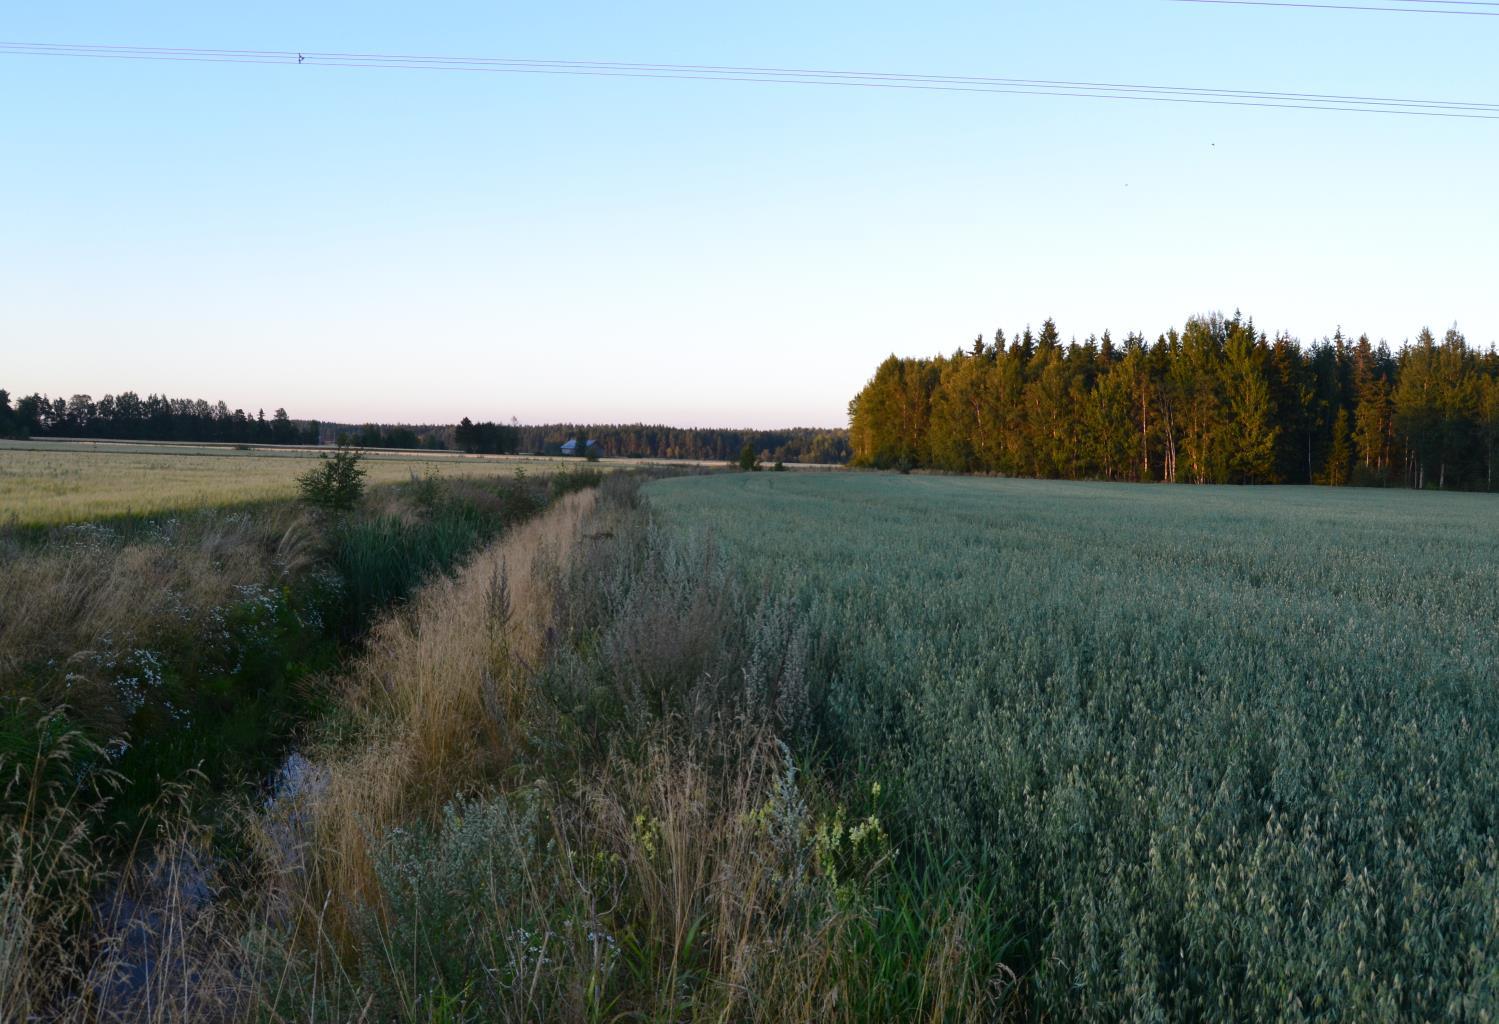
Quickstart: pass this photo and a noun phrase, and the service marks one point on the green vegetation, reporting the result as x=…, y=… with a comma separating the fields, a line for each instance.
x=550, y=788
x=610, y=828
x=844, y=747
x=336, y=484
x=185, y=642
x=1217, y=753
x=803, y=445
x=128, y=416
x=485, y=437
x=748, y=460
x=1215, y=403
x=155, y=417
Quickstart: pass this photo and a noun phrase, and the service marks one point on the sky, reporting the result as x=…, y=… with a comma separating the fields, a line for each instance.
x=418, y=246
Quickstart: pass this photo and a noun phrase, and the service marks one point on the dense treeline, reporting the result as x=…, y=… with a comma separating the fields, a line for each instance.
x=639, y=440
x=382, y=435
x=489, y=437
x=1214, y=403
x=128, y=416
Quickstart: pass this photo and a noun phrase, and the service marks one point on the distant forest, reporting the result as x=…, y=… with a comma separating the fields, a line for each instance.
x=797, y=444
x=637, y=440
x=1215, y=403
x=128, y=416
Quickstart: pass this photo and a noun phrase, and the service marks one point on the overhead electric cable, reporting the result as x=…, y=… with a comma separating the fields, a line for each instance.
x=782, y=76
x=1306, y=5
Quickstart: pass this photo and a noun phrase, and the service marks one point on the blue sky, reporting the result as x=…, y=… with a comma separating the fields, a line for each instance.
x=399, y=245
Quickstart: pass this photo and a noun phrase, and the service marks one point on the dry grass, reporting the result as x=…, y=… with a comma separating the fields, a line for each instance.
x=45, y=482
x=62, y=600
x=85, y=942
x=716, y=889
x=435, y=700
x=76, y=935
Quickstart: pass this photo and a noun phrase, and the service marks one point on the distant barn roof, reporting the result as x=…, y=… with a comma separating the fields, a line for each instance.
x=571, y=447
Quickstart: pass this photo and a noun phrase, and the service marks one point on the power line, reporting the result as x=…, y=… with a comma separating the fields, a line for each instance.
x=782, y=76
x=1359, y=7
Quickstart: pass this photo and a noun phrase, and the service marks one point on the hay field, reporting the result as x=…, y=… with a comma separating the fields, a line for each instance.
x=46, y=482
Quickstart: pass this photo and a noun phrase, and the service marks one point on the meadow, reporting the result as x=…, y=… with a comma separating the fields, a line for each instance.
x=49, y=482
x=1218, y=753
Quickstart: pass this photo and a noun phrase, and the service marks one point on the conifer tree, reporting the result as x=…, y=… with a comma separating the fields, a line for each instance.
x=1215, y=403
x=1340, y=455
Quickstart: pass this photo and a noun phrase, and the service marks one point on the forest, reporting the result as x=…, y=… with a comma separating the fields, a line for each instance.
x=1217, y=402
x=654, y=441
x=128, y=416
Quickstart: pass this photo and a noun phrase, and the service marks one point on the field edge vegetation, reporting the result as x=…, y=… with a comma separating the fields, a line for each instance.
x=573, y=781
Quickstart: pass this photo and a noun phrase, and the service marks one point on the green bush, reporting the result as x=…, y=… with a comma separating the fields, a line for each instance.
x=568, y=481
x=748, y=460
x=337, y=483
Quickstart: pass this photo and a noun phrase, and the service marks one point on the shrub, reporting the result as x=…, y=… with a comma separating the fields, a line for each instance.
x=748, y=460
x=337, y=483
x=575, y=480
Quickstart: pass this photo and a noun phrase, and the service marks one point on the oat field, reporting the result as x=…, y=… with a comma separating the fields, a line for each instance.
x=1224, y=754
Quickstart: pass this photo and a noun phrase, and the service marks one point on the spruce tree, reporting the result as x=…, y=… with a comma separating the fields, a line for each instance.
x=1340, y=455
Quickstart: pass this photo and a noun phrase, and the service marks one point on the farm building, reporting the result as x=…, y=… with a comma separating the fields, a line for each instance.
x=589, y=447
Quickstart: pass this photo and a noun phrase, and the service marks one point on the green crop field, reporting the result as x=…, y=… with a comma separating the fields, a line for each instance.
x=1225, y=753
x=44, y=482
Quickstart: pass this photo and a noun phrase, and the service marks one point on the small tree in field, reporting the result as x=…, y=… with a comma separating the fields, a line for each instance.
x=336, y=483
x=748, y=461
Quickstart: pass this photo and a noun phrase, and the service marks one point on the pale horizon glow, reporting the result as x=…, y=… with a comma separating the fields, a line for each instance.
x=375, y=245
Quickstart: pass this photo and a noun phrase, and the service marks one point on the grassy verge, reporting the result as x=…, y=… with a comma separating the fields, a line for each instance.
x=193, y=642
x=575, y=780
x=607, y=819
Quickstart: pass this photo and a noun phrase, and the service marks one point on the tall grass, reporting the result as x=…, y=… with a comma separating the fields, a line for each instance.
x=49, y=867
x=140, y=649
x=428, y=709
x=562, y=797
x=184, y=639
x=562, y=783
x=141, y=627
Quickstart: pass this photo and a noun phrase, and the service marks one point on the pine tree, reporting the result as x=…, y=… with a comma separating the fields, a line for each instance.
x=463, y=435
